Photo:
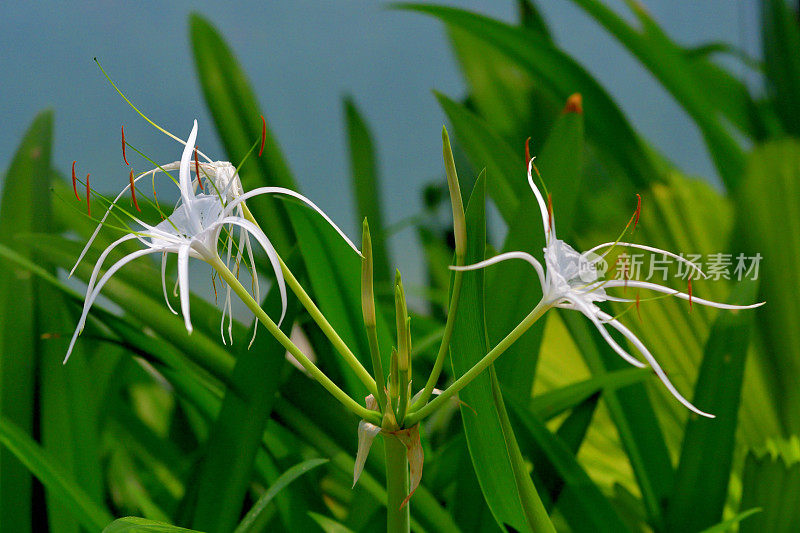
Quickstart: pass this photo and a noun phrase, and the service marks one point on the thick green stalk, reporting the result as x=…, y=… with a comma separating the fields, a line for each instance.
x=321, y=321
x=480, y=366
x=398, y=520
x=276, y=332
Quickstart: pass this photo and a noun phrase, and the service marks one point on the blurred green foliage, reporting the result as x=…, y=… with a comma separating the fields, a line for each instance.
x=148, y=421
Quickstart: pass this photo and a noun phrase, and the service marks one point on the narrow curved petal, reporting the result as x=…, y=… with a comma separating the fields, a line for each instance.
x=184, y=174
x=542, y=204
x=93, y=293
x=272, y=255
x=682, y=295
x=108, y=212
x=256, y=289
x=589, y=313
x=288, y=192
x=649, y=249
x=101, y=260
x=183, y=282
x=164, y=282
x=504, y=257
x=653, y=364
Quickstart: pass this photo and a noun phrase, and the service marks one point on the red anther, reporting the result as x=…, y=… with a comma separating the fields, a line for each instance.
x=197, y=170
x=88, y=190
x=574, y=104
x=550, y=211
x=263, y=135
x=214, y=283
x=123, y=147
x=527, y=151
x=638, y=312
x=638, y=211
x=133, y=192
x=75, y=182
x=690, y=295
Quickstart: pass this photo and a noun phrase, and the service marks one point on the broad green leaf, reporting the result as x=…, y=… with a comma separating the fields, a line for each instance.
x=668, y=63
x=88, y=512
x=769, y=225
x=132, y=524
x=559, y=76
x=250, y=522
x=235, y=109
x=781, y=40
x=584, y=506
x=25, y=207
x=701, y=482
x=771, y=481
x=236, y=434
x=487, y=446
x=367, y=186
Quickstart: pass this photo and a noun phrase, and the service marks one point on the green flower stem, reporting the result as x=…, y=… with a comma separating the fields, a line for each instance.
x=480, y=366
x=276, y=332
x=446, y=336
x=322, y=322
x=397, y=486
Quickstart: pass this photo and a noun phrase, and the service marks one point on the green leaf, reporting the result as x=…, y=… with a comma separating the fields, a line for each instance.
x=89, y=513
x=236, y=434
x=668, y=63
x=771, y=481
x=727, y=525
x=366, y=183
x=250, y=522
x=25, y=207
x=236, y=113
x=704, y=469
x=132, y=524
x=560, y=76
x=582, y=503
x=633, y=416
x=781, y=40
x=769, y=225
x=487, y=445
x=488, y=150
x=553, y=403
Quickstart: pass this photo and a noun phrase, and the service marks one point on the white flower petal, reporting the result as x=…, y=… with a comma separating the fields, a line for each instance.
x=647, y=248
x=164, y=282
x=504, y=257
x=183, y=282
x=280, y=190
x=592, y=315
x=542, y=206
x=682, y=295
x=184, y=174
x=92, y=295
x=271, y=254
x=653, y=364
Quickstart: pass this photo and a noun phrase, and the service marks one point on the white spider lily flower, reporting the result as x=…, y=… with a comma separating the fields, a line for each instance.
x=570, y=280
x=192, y=230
